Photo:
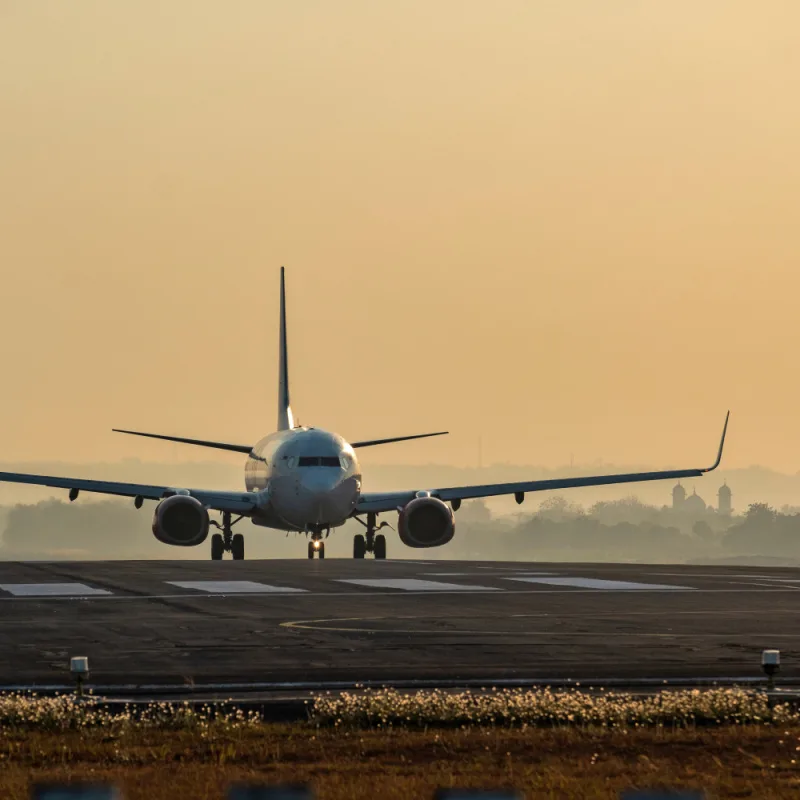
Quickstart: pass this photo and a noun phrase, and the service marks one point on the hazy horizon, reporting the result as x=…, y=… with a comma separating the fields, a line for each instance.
x=567, y=229
x=753, y=484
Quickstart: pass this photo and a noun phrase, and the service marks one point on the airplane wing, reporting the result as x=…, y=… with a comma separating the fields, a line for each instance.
x=391, y=501
x=373, y=442
x=236, y=448
x=236, y=502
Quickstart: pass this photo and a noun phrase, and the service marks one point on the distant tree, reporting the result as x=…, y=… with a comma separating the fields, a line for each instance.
x=755, y=532
x=559, y=508
x=702, y=530
x=626, y=509
x=475, y=511
x=760, y=514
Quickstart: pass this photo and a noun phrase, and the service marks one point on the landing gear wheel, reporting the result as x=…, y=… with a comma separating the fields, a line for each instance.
x=217, y=547
x=359, y=546
x=311, y=549
x=321, y=550
x=380, y=546
x=237, y=547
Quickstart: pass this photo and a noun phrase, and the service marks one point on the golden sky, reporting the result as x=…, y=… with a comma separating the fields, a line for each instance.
x=569, y=227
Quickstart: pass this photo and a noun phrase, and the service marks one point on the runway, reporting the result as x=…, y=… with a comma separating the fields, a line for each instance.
x=297, y=623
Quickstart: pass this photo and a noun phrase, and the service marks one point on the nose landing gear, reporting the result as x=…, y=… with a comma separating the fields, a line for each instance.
x=227, y=541
x=370, y=542
x=316, y=547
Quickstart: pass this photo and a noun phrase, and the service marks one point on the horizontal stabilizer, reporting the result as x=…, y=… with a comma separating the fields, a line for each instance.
x=372, y=442
x=236, y=448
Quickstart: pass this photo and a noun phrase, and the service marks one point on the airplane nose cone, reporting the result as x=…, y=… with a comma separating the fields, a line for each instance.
x=319, y=482
x=319, y=493
x=315, y=497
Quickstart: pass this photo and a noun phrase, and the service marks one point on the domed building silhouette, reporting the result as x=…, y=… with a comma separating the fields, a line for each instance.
x=694, y=505
x=724, y=496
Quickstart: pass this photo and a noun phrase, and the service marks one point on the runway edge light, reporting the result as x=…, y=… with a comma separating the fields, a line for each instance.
x=771, y=664
x=79, y=667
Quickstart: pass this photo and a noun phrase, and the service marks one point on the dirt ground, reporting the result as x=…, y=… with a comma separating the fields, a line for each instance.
x=758, y=761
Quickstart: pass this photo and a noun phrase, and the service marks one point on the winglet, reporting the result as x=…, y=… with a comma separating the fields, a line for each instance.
x=285, y=419
x=721, y=445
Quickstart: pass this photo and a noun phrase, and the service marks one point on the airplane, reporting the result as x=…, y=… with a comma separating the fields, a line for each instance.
x=307, y=480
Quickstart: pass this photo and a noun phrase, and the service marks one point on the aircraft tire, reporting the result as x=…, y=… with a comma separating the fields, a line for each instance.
x=380, y=546
x=359, y=546
x=217, y=547
x=237, y=547
x=321, y=550
x=311, y=549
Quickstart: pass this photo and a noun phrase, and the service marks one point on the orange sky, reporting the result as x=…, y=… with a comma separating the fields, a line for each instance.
x=571, y=227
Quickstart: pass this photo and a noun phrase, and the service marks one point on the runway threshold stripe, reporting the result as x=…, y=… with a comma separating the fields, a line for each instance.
x=416, y=585
x=233, y=587
x=597, y=583
x=51, y=589
x=508, y=573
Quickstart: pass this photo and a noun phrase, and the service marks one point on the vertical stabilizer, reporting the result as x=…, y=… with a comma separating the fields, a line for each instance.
x=285, y=420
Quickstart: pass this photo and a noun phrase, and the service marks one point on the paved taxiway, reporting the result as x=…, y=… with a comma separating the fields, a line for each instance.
x=184, y=622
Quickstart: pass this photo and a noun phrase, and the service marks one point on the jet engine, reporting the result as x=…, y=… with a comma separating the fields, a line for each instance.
x=180, y=520
x=426, y=522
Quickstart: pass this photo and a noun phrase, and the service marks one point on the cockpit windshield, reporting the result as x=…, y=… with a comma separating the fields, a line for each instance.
x=320, y=461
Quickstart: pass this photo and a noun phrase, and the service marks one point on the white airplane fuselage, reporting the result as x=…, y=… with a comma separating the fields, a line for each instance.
x=311, y=478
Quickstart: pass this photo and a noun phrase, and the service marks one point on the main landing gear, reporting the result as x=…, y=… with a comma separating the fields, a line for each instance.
x=370, y=542
x=227, y=541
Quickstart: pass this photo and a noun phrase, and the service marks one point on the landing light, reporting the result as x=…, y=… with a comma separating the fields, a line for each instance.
x=316, y=544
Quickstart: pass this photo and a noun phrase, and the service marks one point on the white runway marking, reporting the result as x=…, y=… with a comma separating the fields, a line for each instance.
x=232, y=587
x=524, y=573
x=452, y=574
x=51, y=589
x=482, y=574
x=597, y=583
x=416, y=585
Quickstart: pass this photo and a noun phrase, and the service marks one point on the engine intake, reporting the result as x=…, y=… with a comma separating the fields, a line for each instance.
x=426, y=522
x=180, y=520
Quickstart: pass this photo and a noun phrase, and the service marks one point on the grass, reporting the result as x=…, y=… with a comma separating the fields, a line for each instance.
x=170, y=753
x=757, y=761
x=545, y=707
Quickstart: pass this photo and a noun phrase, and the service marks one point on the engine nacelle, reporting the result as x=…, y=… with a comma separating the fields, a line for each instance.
x=426, y=522
x=180, y=520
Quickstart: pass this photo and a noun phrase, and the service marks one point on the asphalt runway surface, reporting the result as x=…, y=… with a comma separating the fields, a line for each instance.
x=185, y=623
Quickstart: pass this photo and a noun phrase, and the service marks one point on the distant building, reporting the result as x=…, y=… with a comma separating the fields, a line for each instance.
x=725, y=506
x=694, y=505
